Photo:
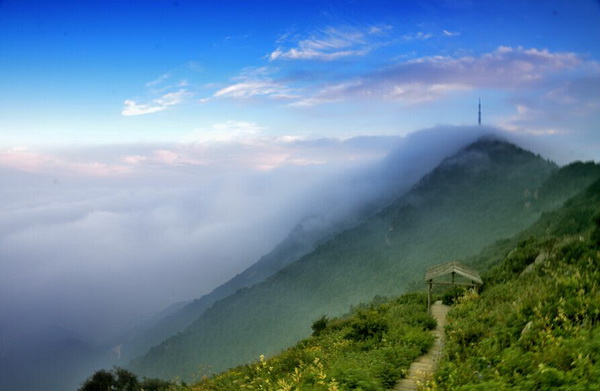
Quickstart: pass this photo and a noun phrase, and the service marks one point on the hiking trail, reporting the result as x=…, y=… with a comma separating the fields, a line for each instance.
x=422, y=369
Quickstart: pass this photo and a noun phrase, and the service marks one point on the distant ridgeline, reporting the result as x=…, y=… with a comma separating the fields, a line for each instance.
x=490, y=190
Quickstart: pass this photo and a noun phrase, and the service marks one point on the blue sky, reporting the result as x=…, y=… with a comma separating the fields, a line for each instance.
x=81, y=73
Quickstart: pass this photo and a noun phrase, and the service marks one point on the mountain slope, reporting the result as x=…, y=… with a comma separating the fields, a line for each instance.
x=484, y=192
x=535, y=326
x=313, y=230
x=297, y=244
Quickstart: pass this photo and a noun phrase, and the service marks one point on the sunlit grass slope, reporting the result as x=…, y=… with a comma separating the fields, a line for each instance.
x=369, y=349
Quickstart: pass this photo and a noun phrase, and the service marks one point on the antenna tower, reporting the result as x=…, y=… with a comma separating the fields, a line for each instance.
x=479, y=117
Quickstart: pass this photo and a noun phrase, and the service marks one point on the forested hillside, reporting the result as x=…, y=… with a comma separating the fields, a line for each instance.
x=535, y=325
x=293, y=247
x=489, y=190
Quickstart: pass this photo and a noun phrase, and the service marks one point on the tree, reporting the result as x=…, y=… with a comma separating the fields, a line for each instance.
x=125, y=380
x=319, y=325
x=102, y=380
x=119, y=379
x=596, y=231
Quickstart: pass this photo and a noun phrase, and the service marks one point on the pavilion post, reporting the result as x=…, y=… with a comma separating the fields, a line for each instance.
x=429, y=297
x=453, y=268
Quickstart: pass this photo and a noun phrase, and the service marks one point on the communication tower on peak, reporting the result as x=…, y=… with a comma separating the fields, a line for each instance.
x=479, y=117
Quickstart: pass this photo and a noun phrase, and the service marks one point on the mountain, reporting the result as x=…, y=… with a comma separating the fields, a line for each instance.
x=532, y=325
x=298, y=243
x=375, y=186
x=488, y=190
x=535, y=325
x=313, y=230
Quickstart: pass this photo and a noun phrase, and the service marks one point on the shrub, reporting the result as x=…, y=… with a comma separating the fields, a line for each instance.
x=368, y=349
x=319, y=325
x=537, y=331
x=368, y=325
x=450, y=296
x=101, y=380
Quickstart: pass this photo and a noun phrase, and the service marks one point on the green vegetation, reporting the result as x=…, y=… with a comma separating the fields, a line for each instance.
x=369, y=349
x=119, y=379
x=536, y=324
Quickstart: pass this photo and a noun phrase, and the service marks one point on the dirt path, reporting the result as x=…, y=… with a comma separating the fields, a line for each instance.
x=422, y=369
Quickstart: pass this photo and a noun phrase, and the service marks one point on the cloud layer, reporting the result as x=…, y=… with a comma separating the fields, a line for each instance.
x=431, y=78
x=92, y=254
x=78, y=235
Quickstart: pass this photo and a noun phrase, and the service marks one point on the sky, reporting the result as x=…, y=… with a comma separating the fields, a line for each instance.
x=172, y=143
x=80, y=73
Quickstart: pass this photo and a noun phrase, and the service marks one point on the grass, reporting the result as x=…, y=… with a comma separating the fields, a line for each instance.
x=370, y=349
x=537, y=330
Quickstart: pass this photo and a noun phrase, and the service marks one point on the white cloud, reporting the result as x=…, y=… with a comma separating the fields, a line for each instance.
x=256, y=82
x=562, y=107
x=231, y=130
x=132, y=108
x=226, y=147
x=23, y=159
x=251, y=88
x=380, y=29
x=328, y=94
x=414, y=93
x=429, y=78
x=418, y=36
x=333, y=43
x=506, y=67
x=172, y=98
x=158, y=80
x=190, y=229
x=448, y=33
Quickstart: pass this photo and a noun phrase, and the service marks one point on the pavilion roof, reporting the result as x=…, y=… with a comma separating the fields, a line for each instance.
x=453, y=267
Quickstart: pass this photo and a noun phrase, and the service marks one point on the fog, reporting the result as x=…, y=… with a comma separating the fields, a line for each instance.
x=96, y=254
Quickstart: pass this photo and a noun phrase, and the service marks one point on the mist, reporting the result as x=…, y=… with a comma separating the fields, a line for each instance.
x=92, y=256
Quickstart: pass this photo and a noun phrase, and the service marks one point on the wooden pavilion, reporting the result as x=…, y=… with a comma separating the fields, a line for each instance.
x=451, y=268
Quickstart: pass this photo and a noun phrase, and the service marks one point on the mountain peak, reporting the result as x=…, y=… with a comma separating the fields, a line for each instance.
x=493, y=142
x=478, y=165
x=489, y=149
